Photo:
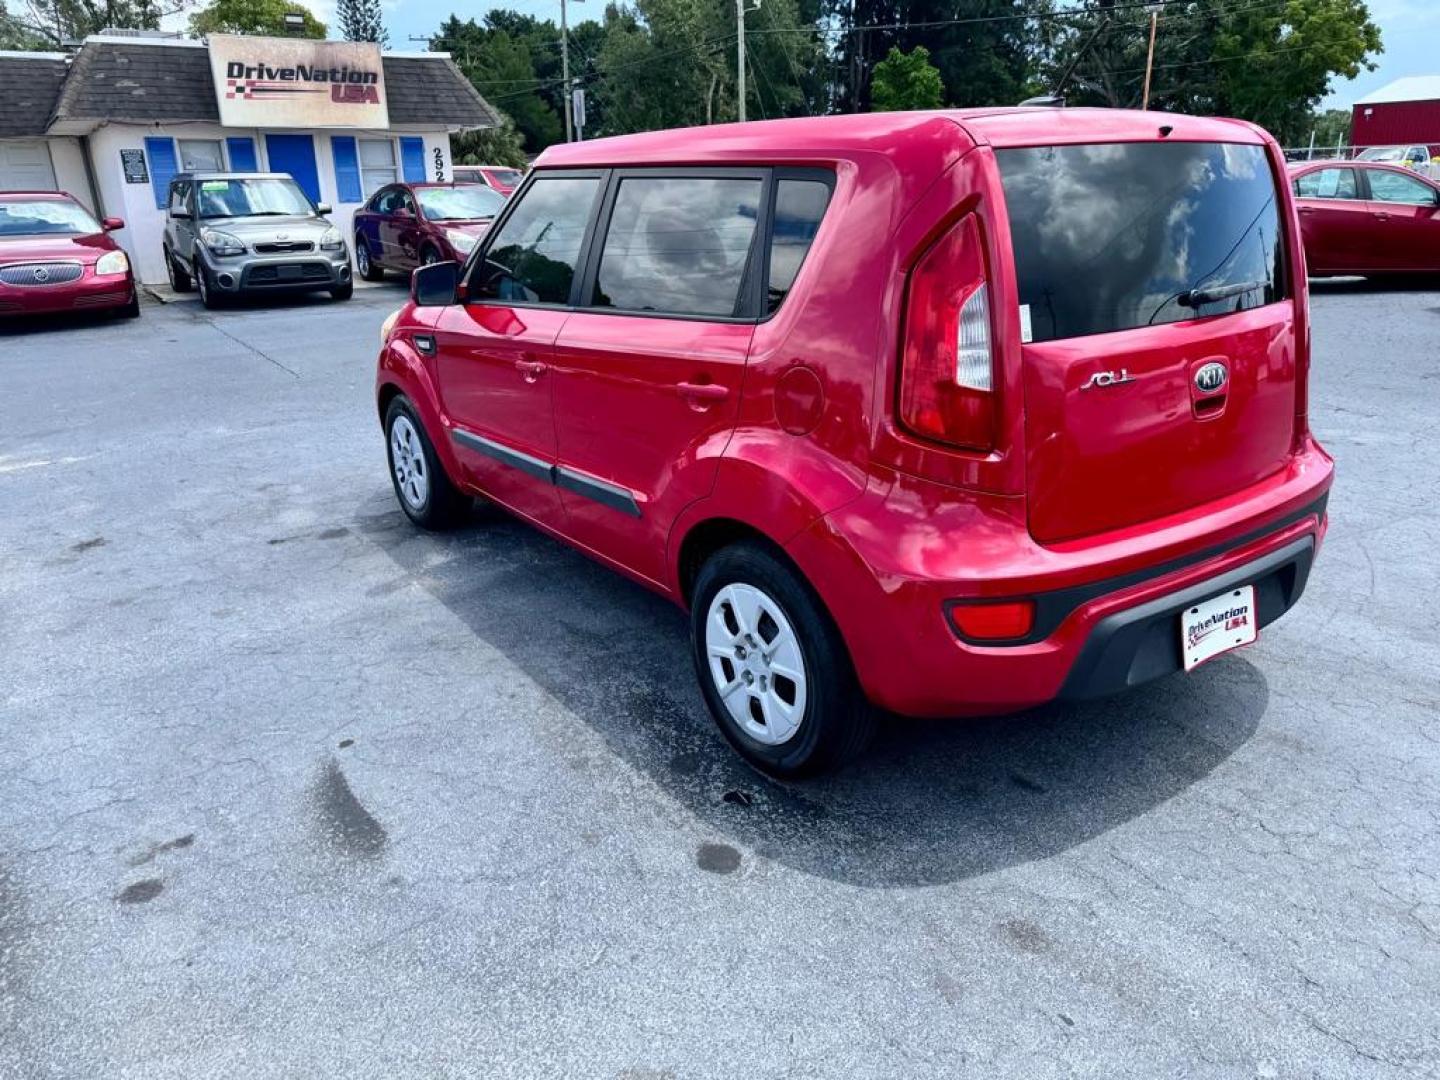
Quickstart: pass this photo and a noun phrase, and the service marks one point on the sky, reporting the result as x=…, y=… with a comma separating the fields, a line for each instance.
x=1410, y=30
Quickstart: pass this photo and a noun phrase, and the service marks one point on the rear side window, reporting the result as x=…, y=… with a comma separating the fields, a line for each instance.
x=532, y=258
x=1120, y=235
x=799, y=206
x=1327, y=184
x=1386, y=186
x=678, y=245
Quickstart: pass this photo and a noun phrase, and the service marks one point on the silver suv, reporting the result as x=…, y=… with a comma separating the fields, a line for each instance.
x=233, y=233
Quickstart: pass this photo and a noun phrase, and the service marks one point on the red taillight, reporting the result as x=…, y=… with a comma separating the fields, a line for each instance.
x=993, y=621
x=947, y=363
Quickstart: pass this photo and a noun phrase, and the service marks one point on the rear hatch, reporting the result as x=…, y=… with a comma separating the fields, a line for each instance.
x=1160, y=345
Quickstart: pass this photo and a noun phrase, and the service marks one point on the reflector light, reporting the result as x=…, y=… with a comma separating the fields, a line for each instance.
x=993, y=621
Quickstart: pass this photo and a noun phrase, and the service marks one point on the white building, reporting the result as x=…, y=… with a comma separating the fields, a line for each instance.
x=114, y=122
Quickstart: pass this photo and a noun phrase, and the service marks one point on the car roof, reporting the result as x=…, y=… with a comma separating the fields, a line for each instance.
x=886, y=132
x=21, y=193
x=232, y=176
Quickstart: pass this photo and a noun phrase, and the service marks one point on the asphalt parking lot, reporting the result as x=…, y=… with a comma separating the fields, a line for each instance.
x=288, y=789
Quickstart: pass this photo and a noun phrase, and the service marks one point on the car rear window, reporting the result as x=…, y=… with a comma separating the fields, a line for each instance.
x=1112, y=236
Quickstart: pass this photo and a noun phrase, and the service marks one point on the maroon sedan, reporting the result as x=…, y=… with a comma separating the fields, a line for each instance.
x=408, y=225
x=54, y=256
x=1367, y=218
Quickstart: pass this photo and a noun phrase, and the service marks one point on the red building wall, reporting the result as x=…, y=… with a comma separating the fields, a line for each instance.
x=1397, y=123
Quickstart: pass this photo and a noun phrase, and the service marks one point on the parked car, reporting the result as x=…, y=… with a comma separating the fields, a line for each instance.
x=1367, y=218
x=1413, y=156
x=228, y=234
x=954, y=413
x=54, y=256
x=408, y=225
x=501, y=178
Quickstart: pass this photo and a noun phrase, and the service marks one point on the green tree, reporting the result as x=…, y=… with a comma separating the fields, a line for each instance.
x=503, y=70
x=1331, y=128
x=489, y=146
x=14, y=34
x=1269, y=63
x=362, y=20
x=54, y=22
x=252, y=17
x=906, y=81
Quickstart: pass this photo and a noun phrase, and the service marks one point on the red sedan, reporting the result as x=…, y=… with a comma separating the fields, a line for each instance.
x=1367, y=218
x=501, y=178
x=54, y=256
x=408, y=225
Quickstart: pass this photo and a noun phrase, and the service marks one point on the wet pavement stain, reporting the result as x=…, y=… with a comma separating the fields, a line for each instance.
x=1025, y=935
x=737, y=797
x=142, y=892
x=88, y=545
x=333, y=534
x=148, y=855
x=717, y=858
x=1026, y=784
x=345, y=744
x=342, y=821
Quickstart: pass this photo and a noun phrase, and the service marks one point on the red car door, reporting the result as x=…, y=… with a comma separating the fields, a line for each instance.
x=648, y=372
x=493, y=352
x=1406, y=210
x=1335, y=221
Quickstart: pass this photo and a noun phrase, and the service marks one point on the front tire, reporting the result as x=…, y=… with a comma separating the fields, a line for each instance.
x=772, y=665
x=368, y=268
x=179, y=279
x=424, y=491
x=343, y=292
x=132, y=309
x=208, y=296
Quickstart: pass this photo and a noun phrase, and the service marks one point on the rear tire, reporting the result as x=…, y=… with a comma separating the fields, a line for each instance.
x=773, y=668
x=424, y=491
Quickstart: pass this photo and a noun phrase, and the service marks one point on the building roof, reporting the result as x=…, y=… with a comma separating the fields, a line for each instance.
x=145, y=81
x=1410, y=88
x=29, y=86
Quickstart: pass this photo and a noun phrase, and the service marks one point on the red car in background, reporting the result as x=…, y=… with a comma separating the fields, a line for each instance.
x=54, y=256
x=1366, y=218
x=500, y=178
x=408, y=225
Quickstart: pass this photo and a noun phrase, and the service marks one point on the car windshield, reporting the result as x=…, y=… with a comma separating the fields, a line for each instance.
x=508, y=177
x=44, y=217
x=252, y=198
x=1383, y=153
x=459, y=203
x=1120, y=235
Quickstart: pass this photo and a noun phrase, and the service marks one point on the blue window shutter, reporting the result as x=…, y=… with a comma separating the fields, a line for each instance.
x=242, y=155
x=163, y=167
x=347, y=168
x=412, y=158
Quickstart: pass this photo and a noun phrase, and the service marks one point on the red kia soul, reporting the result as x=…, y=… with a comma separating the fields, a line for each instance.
x=947, y=413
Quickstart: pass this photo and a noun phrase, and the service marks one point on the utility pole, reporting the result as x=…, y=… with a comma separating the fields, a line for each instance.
x=1154, y=10
x=565, y=69
x=740, y=10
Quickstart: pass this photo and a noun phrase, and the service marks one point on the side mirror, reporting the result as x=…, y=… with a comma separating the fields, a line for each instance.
x=436, y=285
x=111, y=224
x=323, y=208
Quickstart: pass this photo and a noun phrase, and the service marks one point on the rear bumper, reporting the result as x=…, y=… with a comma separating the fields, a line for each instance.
x=1107, y=608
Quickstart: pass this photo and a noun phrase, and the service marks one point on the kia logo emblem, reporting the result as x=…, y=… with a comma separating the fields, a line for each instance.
x=1211, y=377
x=41, y=274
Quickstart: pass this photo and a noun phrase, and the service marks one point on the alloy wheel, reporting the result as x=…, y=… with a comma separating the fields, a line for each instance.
x=755, y=659
x=407, y=458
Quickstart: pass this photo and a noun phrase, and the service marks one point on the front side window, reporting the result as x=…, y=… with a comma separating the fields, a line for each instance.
x=1112, y=236
x=377, y=164
x=799, y=206
x=1327, y=184
x=533, y=257
x=1394, y=187
x=678, y=245
x=252, y=198
x=201, y=155
x=44, y=217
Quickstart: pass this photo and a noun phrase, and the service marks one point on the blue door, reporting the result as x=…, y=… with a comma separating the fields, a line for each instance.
x=295, y=154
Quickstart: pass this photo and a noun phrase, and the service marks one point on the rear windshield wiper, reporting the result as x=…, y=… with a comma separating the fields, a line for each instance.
x=1197, y=297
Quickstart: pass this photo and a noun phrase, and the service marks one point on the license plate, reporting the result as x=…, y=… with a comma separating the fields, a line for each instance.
x=1219, y=625
x=290, y=273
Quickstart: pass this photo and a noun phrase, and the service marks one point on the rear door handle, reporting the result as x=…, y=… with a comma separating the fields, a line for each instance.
x=1307, y=209
x=702, y=391
x=1381, y=217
